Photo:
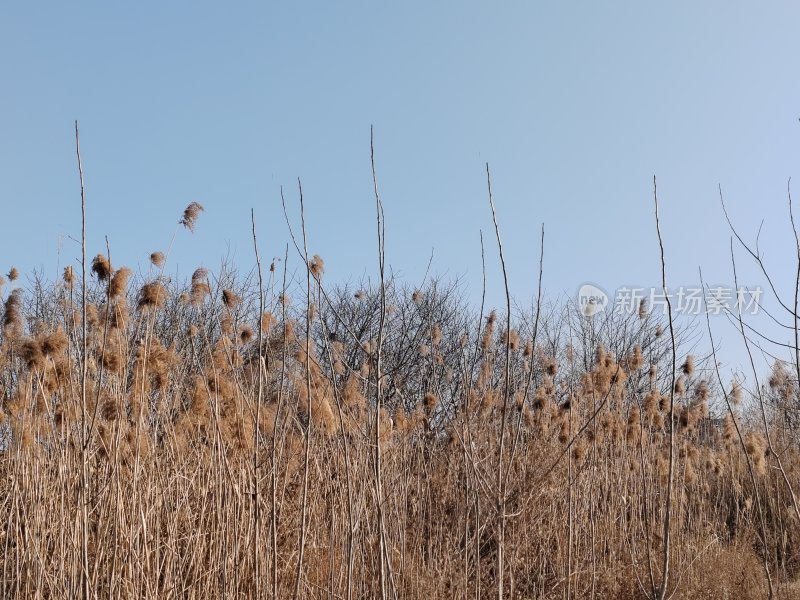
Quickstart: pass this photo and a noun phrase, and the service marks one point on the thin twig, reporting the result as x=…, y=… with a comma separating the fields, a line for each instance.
x=84, y=373
x=662, y=591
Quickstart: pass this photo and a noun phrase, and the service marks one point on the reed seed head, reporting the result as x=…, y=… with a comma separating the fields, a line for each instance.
x=152, y=295
x=317, y=266
x=158, y=259
x=101, y=267
x=230, y=298
x=688, y=366
x=69, y=276
x=190, y=215
x=119, y=282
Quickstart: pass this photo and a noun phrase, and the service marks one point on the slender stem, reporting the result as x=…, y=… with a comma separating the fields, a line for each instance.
x=501, y=499
x=84, y=372
x=257, y=419
x=383, y=557
x=661, y=593
x=309, y=427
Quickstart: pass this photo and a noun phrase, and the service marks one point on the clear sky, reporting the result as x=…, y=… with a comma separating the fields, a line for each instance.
x=575, y=106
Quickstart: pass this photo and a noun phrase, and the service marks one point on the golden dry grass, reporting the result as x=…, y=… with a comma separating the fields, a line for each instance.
x=217, y=443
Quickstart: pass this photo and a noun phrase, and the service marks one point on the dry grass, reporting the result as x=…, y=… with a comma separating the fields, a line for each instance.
x=188, y=416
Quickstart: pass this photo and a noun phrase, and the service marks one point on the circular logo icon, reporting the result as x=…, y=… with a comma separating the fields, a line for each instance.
x=591, y=299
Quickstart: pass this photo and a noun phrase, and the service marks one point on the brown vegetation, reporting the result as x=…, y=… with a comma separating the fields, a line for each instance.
x=223, y=438
x=175, y=426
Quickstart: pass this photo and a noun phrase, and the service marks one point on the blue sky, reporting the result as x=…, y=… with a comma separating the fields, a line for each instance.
x=575, y=106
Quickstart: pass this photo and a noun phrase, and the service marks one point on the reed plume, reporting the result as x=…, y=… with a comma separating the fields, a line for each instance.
x=190, y=215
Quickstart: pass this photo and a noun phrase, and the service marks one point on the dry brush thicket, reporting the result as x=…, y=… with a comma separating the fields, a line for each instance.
x=223, y=446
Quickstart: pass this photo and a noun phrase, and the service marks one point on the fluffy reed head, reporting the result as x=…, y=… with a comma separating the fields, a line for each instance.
x=701, y=391
x=636, y=359
x=736, y=393
x=13, y=274
x=778, y=377
x=69, y=276
x=31, y=353
x=54, y=344
x=643, y=308
x=12, y=318
x=200, y=288
x=158, y=259
x=230, y=298
x=633, y=430
x=190, y=215
x=226, y=324
x=267, y=321
x=688, y=366
x=317, y=266
x=488, y=333
x=436, y=335
x=152, y=295
x=550, y=366
x=511, y=338
x=119, y=282
x=101, y=267
x=429, y=401
x=728, y=427
x=756, y=448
